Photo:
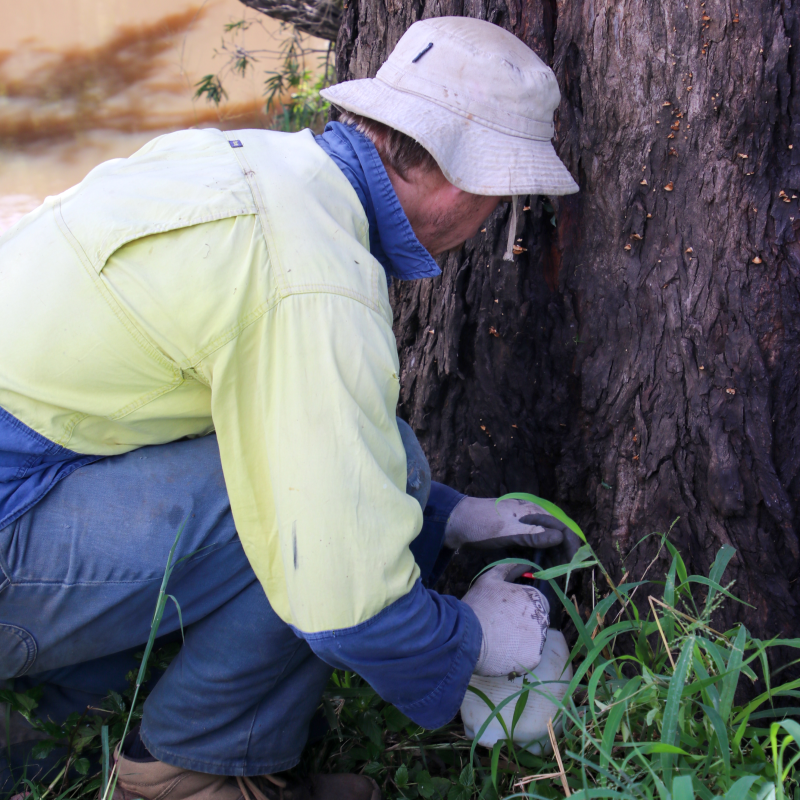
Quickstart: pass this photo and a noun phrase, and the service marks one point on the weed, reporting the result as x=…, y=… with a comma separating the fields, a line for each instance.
x=650, y=712
x=292, y=94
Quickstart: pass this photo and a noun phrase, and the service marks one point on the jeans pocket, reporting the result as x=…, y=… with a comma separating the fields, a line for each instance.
x=17, y=651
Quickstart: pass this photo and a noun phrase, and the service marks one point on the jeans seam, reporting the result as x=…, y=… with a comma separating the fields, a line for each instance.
x=300, y=643
x=29, y=643
x=5, y=570
x=226, y=767
x=156, y=578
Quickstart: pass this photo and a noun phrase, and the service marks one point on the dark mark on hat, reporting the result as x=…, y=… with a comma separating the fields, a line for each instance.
x=422, y=53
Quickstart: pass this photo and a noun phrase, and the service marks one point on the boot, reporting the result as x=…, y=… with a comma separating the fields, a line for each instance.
x=150, y=779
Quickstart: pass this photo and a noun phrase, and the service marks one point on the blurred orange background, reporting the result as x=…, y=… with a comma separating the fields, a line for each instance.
x=82, y=81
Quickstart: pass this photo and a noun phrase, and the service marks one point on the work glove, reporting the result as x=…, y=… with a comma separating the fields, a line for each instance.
x=514, y=620
x=483, y=523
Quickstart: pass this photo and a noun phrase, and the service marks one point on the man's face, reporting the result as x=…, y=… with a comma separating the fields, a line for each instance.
x=442, y=216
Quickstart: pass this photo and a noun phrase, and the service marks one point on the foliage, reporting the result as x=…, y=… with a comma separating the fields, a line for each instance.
x=292, y=94
x=651, y=712
x=304, y=107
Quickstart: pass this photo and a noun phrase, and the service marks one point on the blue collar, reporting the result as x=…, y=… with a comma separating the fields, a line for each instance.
x=391, y=240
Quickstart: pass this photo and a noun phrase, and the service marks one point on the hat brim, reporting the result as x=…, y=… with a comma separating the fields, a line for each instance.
x=472, y=156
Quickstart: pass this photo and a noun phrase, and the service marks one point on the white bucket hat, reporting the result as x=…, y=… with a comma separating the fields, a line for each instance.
x=476, y=98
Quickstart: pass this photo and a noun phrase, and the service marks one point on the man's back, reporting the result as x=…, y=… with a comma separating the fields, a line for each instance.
x=111, y=321
x=197, y=286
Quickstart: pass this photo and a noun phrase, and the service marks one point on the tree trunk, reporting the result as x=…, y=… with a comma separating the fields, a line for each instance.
x=639, y=363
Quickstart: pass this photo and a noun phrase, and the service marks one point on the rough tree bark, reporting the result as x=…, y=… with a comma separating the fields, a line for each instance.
x=639, y=362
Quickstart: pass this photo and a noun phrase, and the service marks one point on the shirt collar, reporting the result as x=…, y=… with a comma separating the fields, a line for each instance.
x=391, y=240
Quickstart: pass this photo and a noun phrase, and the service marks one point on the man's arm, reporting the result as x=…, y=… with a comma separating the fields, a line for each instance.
x=303, y=401
x=429, y=548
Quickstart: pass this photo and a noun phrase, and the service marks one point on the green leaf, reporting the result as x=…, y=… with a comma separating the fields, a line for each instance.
x=550, y=508
x=105, y=758
x=401, y=776
x=669, y=597
x=585, y=635
x=467, y=776
x=180, y=615
x=519, y=708
x=721, y=731
x=425, y=784
x=659, y=747
x=459, y=792
x=682, y=788
x=725, y=554
x=42, y=749
x=329, y=710
x=793, y=729
x=766, y=791
x=615, y=717
x=680, y=566
x=498, y=746
x=495, y=714
x=669, y=584
x=703, y=581
x=370, y=725
x=24, y=702
x=441, y=785
x=731, y=679
x=396, y=720
x=741, y=788
x=81, y=765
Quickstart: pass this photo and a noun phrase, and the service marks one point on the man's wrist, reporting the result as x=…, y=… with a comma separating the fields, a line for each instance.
x=453, y=530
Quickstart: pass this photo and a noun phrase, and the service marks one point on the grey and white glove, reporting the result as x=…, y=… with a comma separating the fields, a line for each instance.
x=514, y=620
x=485, y=524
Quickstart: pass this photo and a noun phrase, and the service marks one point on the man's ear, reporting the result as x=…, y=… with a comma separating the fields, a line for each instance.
x=450, y=192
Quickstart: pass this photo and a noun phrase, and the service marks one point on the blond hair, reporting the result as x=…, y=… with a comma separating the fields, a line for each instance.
x=396, y=149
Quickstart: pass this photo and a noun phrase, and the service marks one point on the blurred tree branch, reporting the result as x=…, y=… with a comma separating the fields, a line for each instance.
x=319, y=18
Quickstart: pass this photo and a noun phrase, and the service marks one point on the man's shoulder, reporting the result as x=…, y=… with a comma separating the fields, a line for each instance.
x=313, y=221
x=175, y=181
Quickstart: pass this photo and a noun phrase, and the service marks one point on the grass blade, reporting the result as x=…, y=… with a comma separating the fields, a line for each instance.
x=180, y=615
x=550, y=508
x=498, y=746
x=106, y=757
x=725, y=554
x=615, y=717
x=519, y=709
x=682, y=788
x=669, y=729
x=741, y=788
x=731, y=679
x=721, y=731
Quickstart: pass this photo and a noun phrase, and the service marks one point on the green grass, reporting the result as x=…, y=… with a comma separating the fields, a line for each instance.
x=652, y=713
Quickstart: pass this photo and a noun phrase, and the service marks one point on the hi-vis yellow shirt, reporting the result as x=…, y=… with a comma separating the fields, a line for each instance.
x=199, y=286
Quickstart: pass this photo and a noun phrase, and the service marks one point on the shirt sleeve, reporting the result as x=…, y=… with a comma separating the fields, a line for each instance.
x=419, y=653
x=427, y=548
x=303, y=401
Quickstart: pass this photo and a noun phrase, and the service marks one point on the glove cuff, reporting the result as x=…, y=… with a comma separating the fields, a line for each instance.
x=454, y=528
x=483, y=655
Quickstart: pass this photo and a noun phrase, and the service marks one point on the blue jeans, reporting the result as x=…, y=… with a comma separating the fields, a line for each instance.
x=79, y=577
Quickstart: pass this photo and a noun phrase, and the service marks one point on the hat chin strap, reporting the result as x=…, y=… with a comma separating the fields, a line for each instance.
x=512, y=230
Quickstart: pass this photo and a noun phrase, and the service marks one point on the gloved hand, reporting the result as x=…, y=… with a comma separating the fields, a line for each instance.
x=514, y=620
x=482, y=523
